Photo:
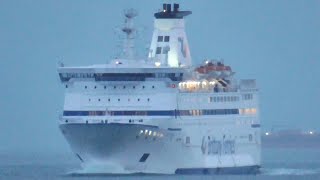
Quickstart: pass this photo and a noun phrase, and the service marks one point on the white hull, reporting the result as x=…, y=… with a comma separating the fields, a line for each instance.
x=118, y=148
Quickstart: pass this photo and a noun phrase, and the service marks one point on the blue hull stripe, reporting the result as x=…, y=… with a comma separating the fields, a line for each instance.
x=154, y=113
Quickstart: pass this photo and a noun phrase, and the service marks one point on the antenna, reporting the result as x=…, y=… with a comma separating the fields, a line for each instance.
x=129, y=31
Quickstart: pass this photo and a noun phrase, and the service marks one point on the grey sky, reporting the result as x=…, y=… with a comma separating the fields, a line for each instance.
x=276, y=42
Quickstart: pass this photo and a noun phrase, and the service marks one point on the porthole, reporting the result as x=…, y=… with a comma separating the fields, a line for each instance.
x=138, y=99
x=143, y=87
x=114, y=87
x=134, y=87
x=85, y=87
x=148, y=99
x=105, y=87
x=118, y=99
x=152, y=87
x=109, y=99
x=99, y=99
x=95, y=87
x=124, y=87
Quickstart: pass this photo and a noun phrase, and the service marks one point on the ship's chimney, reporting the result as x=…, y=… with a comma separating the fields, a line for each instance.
x=169, y=46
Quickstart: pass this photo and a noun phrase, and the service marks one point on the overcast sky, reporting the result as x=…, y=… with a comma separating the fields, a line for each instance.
x=275, y=41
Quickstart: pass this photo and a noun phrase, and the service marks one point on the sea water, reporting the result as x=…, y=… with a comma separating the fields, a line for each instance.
x=286, y=163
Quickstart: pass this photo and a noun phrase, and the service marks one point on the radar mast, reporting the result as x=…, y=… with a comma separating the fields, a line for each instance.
x=129, y=30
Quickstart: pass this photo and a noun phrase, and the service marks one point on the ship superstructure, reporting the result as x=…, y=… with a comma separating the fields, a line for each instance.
x=161, y=114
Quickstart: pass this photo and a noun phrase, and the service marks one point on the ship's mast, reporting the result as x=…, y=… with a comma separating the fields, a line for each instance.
x=129, y=30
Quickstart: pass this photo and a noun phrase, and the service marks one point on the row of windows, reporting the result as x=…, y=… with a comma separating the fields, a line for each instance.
x=208, y=112
x=121, y=76
x=162, y=50
x=116, y=87
x=154, y=113
x=247, y=96
x=109, y=99
x=224, y=99
x=163, y=38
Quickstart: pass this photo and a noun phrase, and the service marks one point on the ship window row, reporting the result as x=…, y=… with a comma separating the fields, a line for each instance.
x=116, y=87
x=162, y=50
x=224, y=99
x=154, y=113
x=119, y=99
x=163, y=38
x=247, y=96
x=120, y=76
x=208, y=112
x=248, y=111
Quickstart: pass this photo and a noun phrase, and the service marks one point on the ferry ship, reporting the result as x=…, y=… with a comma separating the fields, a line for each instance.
x=161, y=114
